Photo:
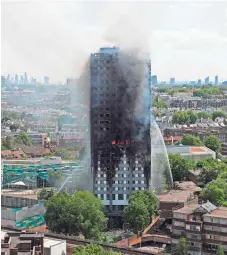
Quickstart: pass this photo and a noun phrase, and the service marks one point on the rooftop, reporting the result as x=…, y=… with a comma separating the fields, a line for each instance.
x=187, y=209
x=48, y=242
x=187, y=185
x=26, y=193
x=220, y=212
x=175, y=196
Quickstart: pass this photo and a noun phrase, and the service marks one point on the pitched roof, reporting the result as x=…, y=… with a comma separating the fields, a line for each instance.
x=209, y=207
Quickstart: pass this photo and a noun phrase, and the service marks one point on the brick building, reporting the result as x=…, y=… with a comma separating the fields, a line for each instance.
x=201, y=132
x=204, y=227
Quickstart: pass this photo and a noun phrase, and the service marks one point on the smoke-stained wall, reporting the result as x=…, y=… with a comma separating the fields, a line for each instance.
x=120, y=109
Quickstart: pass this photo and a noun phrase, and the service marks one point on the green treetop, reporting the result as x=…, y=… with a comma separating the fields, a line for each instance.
x=142, y=206
x=80, y=213
x=213, y=143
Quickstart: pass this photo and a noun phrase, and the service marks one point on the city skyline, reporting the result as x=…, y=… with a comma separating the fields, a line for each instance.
x=190, y=44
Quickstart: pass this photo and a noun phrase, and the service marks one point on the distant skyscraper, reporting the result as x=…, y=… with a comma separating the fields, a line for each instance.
x=207, y=80
x=25, y=78
x=199, y=82
x=3, y=81
x=16, y=79
x=46, y=80
x=21, y=80
x=172, y=81
x=154, y=80
x=8, y=79
x=216, y=80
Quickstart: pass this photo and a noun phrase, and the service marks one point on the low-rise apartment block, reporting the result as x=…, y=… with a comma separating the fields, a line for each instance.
x=203, y=225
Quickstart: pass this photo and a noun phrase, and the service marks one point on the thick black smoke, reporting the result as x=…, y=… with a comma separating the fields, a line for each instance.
x=120, y=110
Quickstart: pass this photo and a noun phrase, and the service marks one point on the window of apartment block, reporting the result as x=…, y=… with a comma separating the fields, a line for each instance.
x=113, y=197
x=102, y=196
x=120, y=197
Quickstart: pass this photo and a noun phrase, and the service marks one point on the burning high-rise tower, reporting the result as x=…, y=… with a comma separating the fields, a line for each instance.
x=120, y=125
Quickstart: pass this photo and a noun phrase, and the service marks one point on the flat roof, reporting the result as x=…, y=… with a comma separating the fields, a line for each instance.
x=26, y=193
x=220, y=212
x=197, y=149
x=48, y=242
x=175, y=196
x=187, y=185
x=187, y=209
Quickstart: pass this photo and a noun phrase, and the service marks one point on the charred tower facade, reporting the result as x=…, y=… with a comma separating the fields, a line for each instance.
x=120, y=125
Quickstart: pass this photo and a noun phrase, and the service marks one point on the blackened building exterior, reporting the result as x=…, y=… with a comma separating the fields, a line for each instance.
x=120, y=125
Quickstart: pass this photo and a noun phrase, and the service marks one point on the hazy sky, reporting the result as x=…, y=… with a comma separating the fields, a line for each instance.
x=187, y=40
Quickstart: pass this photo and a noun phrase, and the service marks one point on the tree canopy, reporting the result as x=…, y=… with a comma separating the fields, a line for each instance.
x=213, y=143
x=216, y=114
x=45, y=193
x=211, y=168
x=191, y=140
x=220, y=250
x=93, y=249
x=159, y=103
x=79, y=213
x=22, y=138
x=181, y=248
x=184, y=117
x=64, y=153
x=180, y=167
x=142, y=206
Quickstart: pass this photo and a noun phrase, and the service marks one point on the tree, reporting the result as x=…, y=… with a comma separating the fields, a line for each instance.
x=181, y=248
x=184, y=117
x=180, y=118
x=79, y=213
x=180, y=167
x=93, y=249
x=14, y=127
x=7, y=143
x=216, y=192
x=22, y=138
x=45, y=194
x=192, y=117
x=142, y=206
x=203, y=115
x=211, y=168
x=64, y=154
x=216, y=114
x=220, y=250
x=191, y=140
x=213, y=143
x=159, y=103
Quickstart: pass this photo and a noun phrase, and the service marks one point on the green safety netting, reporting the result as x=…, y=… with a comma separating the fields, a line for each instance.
x=31, y=222
x=15, y=173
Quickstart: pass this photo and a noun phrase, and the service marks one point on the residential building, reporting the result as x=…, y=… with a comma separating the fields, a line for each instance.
x=183, y=194
x=38, y=139
x=46, y=80
x=24, y=243
x=202, y=132
x=216, y=80
x=207, y=80
x=171, y=140
x=154, y=80
x=172, y=81
x=224, y=149
x=203, y=225
x=120, y=139
x=70, y=141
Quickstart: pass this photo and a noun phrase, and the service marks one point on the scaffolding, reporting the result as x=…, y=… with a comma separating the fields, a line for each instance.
x=29, y=175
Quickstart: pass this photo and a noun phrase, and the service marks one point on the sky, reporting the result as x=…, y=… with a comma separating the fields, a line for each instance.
x=187, y=40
